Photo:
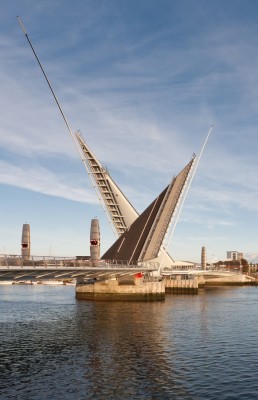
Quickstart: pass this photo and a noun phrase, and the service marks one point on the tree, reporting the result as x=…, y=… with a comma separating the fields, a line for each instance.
x=245, y=265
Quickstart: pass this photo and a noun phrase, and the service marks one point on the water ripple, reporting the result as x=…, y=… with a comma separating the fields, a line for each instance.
x=198, y=347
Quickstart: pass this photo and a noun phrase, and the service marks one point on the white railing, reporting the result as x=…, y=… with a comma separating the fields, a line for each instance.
x=36, y=262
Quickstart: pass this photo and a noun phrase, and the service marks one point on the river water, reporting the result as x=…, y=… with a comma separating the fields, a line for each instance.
x=53, y=346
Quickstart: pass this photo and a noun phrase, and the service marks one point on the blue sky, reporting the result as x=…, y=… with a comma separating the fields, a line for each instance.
x=143, y=80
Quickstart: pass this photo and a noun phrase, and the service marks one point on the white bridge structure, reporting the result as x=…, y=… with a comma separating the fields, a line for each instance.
x=218, y=273
x=47, y=268
x=14, y=268
x=210, y=277
x=141, y=237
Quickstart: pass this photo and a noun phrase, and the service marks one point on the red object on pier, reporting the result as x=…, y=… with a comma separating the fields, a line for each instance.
x=138, y=275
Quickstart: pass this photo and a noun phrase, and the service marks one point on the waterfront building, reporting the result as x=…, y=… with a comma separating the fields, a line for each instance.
x=184, y=265
x=234, y=256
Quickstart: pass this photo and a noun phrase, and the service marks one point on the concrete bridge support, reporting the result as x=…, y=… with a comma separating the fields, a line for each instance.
x=116, y=289
x=181, y=286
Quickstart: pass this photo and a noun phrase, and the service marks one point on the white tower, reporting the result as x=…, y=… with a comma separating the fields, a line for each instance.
x=94, y=242
x=203, y=258
x=25, y=242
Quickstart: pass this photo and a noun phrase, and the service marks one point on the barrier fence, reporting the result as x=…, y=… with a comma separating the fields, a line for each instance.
x=14, y=261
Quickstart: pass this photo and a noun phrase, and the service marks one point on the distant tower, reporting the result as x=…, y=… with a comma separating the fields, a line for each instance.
x=94, y=242
x=25, y=242
x=203, y=258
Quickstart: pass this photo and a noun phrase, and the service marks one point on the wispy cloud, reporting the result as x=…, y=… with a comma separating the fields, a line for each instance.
x=251, y=257
x=144, y=94
x=43, y=181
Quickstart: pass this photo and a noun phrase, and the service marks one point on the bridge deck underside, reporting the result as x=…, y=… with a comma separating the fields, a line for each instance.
x=14, y=274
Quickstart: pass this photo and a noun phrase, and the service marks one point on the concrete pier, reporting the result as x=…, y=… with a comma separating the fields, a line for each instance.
x=122, y=290
x=192, y=280
x=181, y=286
x=233, y=280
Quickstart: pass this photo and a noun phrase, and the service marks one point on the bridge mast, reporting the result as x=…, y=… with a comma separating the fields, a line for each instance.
x=49, y=84
x=119, y=217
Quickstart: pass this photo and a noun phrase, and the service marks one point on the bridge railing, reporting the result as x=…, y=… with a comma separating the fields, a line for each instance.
x=14, y=261
x=36, y=261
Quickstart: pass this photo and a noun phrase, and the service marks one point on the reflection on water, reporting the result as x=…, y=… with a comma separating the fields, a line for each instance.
x=189, y=347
